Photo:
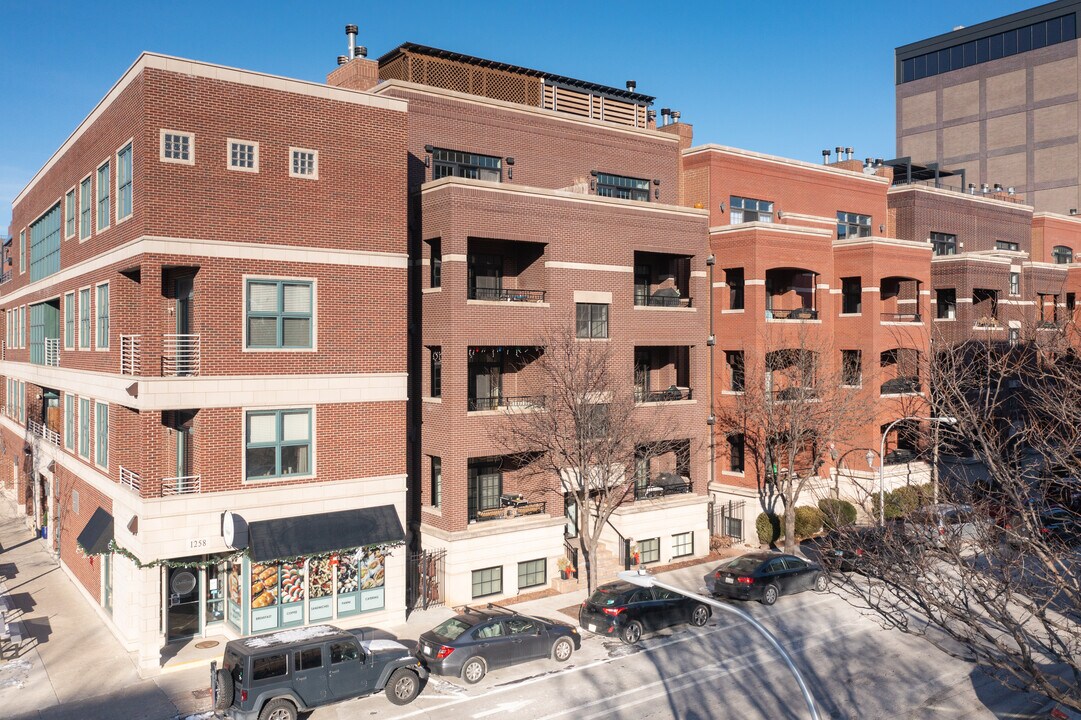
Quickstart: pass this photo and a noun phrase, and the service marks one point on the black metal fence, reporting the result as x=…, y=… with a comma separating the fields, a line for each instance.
x=425, y=573
x=726, y=520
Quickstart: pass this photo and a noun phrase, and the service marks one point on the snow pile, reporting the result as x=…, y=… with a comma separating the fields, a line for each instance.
x=201, y=716
x=288, y=636
x=381, y=644
x=14, y=673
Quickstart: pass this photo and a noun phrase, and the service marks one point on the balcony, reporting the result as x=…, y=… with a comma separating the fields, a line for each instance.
x=794, y=314
x=900, y=298
x=662, y=280
x=185, y=485
x=511, y=505
x=52, y=352
x=662, y=374
x=506, y=271
x=5, y=277
x=794, y=393
x=43, y=431
x=902, y=385
x=130, y=479
x=672, y=394
x=662, y=485
x=181, y=355
x=791, y=294
x=506, y=295
x=523, y=402
x=504, y=377
x=910, y=317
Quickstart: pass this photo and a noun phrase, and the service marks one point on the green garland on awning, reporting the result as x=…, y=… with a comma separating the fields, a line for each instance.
x=119, y=550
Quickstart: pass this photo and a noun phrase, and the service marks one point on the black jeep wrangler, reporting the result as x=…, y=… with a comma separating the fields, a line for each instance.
x=276, y=676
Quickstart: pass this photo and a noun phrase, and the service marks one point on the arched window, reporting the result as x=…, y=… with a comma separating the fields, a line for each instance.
x=1062, y=254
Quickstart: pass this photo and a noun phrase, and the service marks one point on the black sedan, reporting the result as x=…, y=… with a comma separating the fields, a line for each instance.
x=843, y=550
x=765, y=576
x=627, y=610
x=470, y=644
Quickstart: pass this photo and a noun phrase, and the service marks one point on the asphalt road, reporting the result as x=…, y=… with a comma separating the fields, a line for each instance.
x=854, y=669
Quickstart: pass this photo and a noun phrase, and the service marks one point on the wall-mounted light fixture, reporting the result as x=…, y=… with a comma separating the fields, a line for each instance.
x=882, y=228
x=510, y=168
x=721, y=206
x=1073, y=211
x=1010, y=190
x=711, y=260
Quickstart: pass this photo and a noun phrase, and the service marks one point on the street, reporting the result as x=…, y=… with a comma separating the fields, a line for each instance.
x=724, y=670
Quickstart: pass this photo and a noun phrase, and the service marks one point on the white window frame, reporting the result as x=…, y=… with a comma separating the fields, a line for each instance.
x=94, y=317
x=315, y=163
x=178, y=161
x=79, y=434
x=97, y=197
x=71, y=418
x=90, y=229
x=97, y=404
x=116, y=181
x=79, y=342
x=22, y=327
x=74, y=193
x=245, y=279
x=22, y=251
x=229, y=142
x=313, y=457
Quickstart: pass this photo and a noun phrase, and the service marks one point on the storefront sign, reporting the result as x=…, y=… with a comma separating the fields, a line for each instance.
x=264, y=619
x=293, y=614
x=371, y=600
x=321, y=609
x=347, y=604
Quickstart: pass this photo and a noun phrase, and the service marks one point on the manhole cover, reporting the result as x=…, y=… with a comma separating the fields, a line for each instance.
x=200, y=694
x=206, y=644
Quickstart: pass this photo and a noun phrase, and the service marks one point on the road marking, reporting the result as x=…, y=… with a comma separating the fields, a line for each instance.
x=802, y=607
x=504, y=708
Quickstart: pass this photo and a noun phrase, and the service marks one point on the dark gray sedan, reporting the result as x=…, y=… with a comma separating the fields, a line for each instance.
x=765, y=576
x=470, y=644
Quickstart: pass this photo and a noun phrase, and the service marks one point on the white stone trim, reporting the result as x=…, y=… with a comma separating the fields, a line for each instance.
x=750, y=283
x=455, y=257
x=786, y=162
x=770, y=227
x=229, y=142
x=898, y=189
x=558, y=265
x=879, y=240
x=593, y=296
x=698, y=273
x=314, y=175
x=191, y=147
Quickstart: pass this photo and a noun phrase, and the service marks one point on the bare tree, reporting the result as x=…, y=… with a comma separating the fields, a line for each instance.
x=794, y=403
x=587, y=436
x=1001, y=585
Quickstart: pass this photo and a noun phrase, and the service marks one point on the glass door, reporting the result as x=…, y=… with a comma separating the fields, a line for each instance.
x=183, y=605
x=184, y=299
x=215, y=592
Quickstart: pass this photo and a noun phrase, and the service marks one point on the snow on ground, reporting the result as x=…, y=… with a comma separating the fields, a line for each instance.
x=200, y=716
x=14, y=673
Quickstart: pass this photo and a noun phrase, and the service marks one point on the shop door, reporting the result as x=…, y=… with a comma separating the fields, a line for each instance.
x=183, y=605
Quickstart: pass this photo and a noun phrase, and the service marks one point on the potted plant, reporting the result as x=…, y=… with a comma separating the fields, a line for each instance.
x=566, y=569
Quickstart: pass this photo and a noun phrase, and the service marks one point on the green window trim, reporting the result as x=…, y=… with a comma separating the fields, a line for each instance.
x=84, y=427
x=102, y=338
x=69, y=321
x=69, y=421
x=101, y=433
x=45, y=244
x=84, y=319
x=123, y=182
x=103, y=196
x=86, y=198
x=259, y=464
x=279, y=314
x=69, y=214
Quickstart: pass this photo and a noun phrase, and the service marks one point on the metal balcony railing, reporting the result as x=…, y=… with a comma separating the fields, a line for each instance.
x=130, y=361
x=52, y=351
x=901, y=385
x=506, y=294
x=645, y=395
x=43, y=431
x=515, y=401
x=185, y=485
x=130, y=479
x=792, y=314
x=790, y=394
x=660, y=487
x=509, y=511
x=658, y=300
x=181, y=355
x=5, y=277
x=901, y=317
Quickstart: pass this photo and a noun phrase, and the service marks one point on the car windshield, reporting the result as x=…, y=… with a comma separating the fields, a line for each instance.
x=606, y=596
x=745, y=565
x=451, y=629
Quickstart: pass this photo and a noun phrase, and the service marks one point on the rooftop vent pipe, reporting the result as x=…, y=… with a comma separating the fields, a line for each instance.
x=631, y=85
x=351, y=33
x=848, y=153
x=826, y=157
x=675, y=116
x=665, y=112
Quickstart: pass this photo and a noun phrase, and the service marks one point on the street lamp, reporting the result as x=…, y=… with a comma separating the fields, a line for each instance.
x=946, y=420
x=643, y=578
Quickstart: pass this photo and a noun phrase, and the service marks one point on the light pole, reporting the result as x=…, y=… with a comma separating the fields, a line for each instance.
x=947, y=420
x=644, y=579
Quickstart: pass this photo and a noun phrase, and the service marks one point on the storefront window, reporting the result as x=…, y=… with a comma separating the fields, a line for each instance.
x=320, y=589
x=215, y=592
x=236, y=603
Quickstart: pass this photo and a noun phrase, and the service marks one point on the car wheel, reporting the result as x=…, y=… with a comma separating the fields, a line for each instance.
x=820, y=582
x=700, y=615
x=402, y=687
x=225, y=690
x=561, y=651
x=474, y=670
x=632, y=633
x=279, y=709
x=769, y=595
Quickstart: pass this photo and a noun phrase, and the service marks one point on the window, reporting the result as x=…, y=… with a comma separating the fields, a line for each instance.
x=649, y=551
x=733, y=278
x=852, y=368
x=304, y=163
x=22, y=251
x=123, y=182
x=69, y=214
x=1003, y=245
x=177, y=147
x=69, y=321
x=1071, y=301
x=343, y=652
x=22, y=326
x=1062, y=255
x=103, y=317
x=84, y=427
x=488, y=581
x=436, y=267
x=851, y=295
x=69, y=422
x=278, y=443
x=308, y=658
x=1014, y=335
x=747, y=210
x=75, y=501
x=85, y=198
x=103, y=196
x=1015, y=283
x=437, y=481
x=736, y=443
x=45, y=244
x=453, y=163
x=736, y=373
x=266, y=667
x=485, y=487
x=852, y=225
x=592, y=320
x=84, y=319
x=682, y=544
x=944, y=243
x=279, y=314
x=946, y=303
x=532, y=573
x=243, y=155
x=101, y=434
x=436, y=371
x=626, y=188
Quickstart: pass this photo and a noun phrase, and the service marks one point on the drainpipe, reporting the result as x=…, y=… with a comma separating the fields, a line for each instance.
x=711, y=261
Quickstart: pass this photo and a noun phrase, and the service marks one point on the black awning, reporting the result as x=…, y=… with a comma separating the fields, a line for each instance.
x=316, y=534
x=98, y=533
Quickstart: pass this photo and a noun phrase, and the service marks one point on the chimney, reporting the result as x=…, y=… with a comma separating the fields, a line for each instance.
x=355, y=71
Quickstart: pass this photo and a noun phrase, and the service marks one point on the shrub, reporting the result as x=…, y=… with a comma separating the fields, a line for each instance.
x=904, y=500
x=837, y=513
x=808, y=521
x=769, y=527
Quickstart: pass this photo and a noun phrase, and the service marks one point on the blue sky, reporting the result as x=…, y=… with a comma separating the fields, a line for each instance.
x=788, y=78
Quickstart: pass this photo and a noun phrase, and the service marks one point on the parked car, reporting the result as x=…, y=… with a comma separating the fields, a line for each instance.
x=477, y=640
x=765, y=576
x=943, y=525
x=626, y=610
x=277, y=676
x=842, y=550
